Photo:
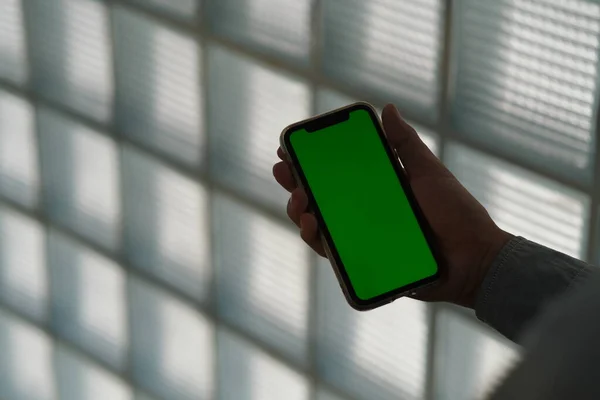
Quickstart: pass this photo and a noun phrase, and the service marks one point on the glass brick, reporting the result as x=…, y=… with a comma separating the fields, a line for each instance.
x=26, y=369
x=19, y=176
x=159, y=102
x=172, y=345
x=79, y=379
x=81, y=178
x=526, y=81
x=88, y=300
x=23, y=274
x=379, y=354
x=166, y=230
x=262, y=273
x=278, y=27
x=472, y=359
x=389, y=47
x=522, y=202
x=13, y=62
x=245, y=372
x=249, y=106
x=71, y=54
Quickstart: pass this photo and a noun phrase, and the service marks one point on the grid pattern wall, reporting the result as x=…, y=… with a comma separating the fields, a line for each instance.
x=144, y=249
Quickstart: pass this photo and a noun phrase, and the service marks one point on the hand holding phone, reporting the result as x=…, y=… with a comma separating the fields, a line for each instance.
x=465, y=238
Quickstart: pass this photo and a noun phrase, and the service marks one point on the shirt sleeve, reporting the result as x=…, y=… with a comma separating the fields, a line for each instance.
x=523, y=278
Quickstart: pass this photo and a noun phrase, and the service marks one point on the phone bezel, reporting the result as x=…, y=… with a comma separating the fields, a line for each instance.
x=329, y=245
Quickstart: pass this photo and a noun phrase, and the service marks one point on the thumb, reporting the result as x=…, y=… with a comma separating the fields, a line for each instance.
x=415, y=156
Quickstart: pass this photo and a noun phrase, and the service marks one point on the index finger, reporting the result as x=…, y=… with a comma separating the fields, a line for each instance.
x=283, y=175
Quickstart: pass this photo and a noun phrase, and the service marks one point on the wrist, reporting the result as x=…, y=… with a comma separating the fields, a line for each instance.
x=491, y=250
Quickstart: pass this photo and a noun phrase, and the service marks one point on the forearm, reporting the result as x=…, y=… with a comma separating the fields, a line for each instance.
x=524, y=277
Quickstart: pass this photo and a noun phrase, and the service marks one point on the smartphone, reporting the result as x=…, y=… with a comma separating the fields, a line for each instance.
x=374, y=233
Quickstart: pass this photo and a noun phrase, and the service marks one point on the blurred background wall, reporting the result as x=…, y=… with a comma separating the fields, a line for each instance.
x=144, y=250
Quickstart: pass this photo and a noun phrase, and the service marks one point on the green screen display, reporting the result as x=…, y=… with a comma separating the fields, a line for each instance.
x=369, y=218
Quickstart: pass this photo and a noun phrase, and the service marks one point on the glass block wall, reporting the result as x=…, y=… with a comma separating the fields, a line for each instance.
x=144, y=249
